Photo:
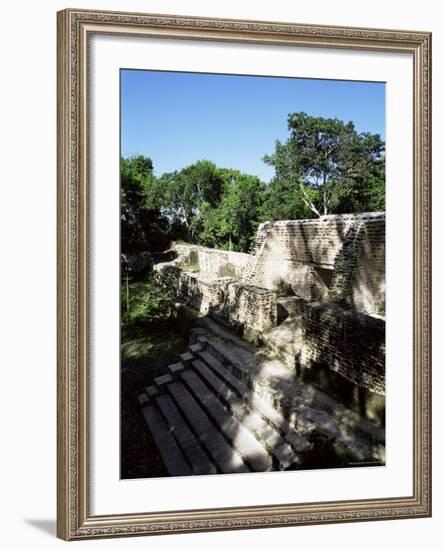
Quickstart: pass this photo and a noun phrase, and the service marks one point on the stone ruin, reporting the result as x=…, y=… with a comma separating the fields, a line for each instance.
x=311, y=290
x=311, y=296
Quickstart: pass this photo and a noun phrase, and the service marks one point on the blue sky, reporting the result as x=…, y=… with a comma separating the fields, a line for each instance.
x=179, y=118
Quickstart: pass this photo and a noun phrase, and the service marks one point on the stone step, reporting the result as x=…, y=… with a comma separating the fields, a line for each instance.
x=263, y=407
x=197, y=458
x=284, y=455
x=227, y=459
x=186, y=358
x=315, y=411
x=240, y=437
x=143, y=399
x=170, y=452
x=195, y=348
x=175, y=369
x=202, y=340
x=162, y=380
x=257, y=371
x=151, y=391
x=276, y=384
x=239, y=368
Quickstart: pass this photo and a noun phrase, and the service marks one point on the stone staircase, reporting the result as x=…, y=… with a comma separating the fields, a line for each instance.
x=216, y=411
x=205, y=420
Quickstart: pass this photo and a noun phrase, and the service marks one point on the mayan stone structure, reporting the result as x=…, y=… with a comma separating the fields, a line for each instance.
x=311, y=291
x=330, y=259
x=234, y=303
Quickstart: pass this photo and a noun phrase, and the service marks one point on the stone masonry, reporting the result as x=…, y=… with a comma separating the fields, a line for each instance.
x=233, y=303
x=333, y=258
x=326, y=275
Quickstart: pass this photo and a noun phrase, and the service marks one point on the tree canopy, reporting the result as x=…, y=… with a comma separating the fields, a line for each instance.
x=329, y=165
x=233, y=222
x=188, y=192
x=325, y=166
x=138, y=213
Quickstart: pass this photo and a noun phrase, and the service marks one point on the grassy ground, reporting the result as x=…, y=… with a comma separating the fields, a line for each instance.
x=147, y=348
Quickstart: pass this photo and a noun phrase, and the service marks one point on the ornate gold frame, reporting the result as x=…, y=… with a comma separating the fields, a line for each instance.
x=74, y=29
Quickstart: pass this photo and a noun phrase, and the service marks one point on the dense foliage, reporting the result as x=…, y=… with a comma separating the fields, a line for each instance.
x=324, y=167
x=143, y=225
x=143, y=304
x=330, y=166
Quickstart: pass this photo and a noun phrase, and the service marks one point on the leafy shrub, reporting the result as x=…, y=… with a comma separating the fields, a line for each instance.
x=144, y=302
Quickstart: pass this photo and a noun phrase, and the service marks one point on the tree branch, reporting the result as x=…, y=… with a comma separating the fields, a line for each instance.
x=307, y=201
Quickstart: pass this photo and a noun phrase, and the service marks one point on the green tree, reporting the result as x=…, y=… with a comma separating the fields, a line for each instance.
x=330, y=165
x=188, y=192
x=143, y=304
x=283, y=201
x=364, y=188
x=143, y=224
x=232, y=224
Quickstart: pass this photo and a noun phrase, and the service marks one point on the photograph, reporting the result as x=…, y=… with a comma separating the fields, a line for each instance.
x=252, y=273
x=220, y=322
x=243, y=272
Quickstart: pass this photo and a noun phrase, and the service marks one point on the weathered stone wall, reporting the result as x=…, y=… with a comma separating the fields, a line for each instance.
x=333, y=258
x=349, y=343
x=332, y=272
x=359, y=274
x=338, y=350
x=186, y=253
x=251, y=307
x=218, y=263
x=222, y=263
x=238, y=305
x=328, y=335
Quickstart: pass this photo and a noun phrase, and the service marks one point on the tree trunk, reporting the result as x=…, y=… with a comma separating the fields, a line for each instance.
x=325, y=197
x=308, y=202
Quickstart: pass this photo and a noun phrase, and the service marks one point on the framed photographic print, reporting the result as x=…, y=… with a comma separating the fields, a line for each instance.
x=243, y=274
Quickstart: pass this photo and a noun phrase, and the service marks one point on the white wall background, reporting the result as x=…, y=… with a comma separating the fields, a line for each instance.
x=28, y=322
